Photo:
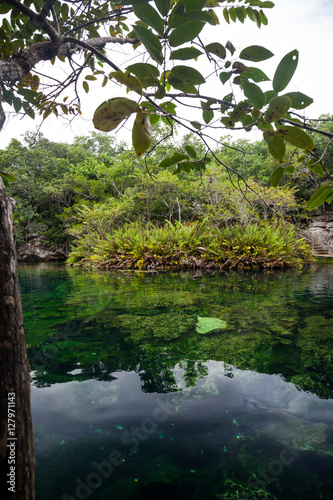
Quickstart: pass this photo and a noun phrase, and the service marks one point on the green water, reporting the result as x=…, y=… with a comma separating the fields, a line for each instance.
x=134, y=397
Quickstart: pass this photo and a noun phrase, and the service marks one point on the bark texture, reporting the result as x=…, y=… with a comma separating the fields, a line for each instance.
x=14, y=367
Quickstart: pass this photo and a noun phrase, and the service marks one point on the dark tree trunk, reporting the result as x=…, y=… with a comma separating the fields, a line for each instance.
x=14, y=373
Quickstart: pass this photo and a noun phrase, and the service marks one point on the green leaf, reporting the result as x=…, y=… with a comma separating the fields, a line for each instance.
x=226, y=15
x=224, y=76
x=28, y=110
x=276, y=176
x=151, y=42
x=276, y=145
x=163, y=6
x=185, y=33
x=227, y=122
x=254, y=93
x=297, y=137
x=256, y=75
x=110, y=113
x=285, y=71
x=147, y=73
x=85, y=86
x=277, y=108
x=141, y=133
x=186, y=53
x=181, y=85
x=206, y=325
x=230, y=47
x=217, y=49
x=190, y=151
x=207, y=115
x=29, y=95
x=188, y=75
x=255, y=53
x=196, y=125
x=8, y=176
x=177, y=157
x=150, y=16
x=320, y=196
x=316, y=169
x=299, y=100
x=239, y=111
x=17, y=104
x=131, y=82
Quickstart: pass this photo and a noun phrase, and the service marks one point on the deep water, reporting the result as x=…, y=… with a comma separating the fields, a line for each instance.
x=181, y=385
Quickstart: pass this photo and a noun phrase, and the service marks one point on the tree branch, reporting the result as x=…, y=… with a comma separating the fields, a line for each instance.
x=307, y=127
x=86, y=45
x=38, y=19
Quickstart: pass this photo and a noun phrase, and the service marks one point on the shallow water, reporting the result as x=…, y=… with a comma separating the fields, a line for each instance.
x=131, y=399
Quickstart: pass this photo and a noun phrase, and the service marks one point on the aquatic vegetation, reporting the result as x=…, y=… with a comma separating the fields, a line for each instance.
x=235, y=491
x=195, y=245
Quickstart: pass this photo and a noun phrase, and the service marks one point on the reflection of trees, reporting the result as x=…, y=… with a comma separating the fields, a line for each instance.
x=147, y=324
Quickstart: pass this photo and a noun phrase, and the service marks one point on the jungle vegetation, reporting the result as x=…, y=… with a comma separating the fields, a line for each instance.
x=97, y=199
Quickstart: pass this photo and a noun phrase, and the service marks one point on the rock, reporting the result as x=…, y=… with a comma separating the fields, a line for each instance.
x=320, y=232
x=36, y=250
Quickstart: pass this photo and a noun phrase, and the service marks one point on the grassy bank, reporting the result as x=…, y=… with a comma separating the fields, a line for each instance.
x=195, y=245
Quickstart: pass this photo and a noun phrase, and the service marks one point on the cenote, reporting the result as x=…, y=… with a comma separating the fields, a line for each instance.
x=181, y=385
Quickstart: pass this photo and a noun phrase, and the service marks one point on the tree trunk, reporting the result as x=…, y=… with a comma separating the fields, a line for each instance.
x=17, y=462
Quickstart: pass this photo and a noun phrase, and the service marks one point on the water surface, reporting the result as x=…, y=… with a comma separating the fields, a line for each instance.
x=131, y=400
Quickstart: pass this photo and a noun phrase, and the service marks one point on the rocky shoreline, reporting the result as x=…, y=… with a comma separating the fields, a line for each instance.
x=37, y=250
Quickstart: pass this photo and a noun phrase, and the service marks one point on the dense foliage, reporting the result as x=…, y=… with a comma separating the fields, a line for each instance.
x=95, y=196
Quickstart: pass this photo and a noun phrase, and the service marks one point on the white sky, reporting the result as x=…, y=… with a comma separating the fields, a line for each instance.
x=306, y=25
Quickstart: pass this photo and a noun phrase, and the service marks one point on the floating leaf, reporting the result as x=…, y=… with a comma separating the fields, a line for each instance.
x=277, y=176
x=254, y=93
x=131, y=82
x=217, y=49
x=141, y=133
x=112, y=112
x=285, y=71
x=151, y=42
x=186, y=53
x=276, y=145
x=320, y=196
x=297, y=137
x=255, y=53
x=277, y=108
x=206, y=325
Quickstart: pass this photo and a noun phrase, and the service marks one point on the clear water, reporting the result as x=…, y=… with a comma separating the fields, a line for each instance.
x=130, y=401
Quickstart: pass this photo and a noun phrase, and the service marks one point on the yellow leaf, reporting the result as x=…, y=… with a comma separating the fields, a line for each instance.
x=141, y=133
x=112, y=112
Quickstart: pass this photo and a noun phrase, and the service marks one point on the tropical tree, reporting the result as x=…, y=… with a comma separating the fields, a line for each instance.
x=166, y=35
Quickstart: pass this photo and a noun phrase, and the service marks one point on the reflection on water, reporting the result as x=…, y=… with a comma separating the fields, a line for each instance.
x=132, y=400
